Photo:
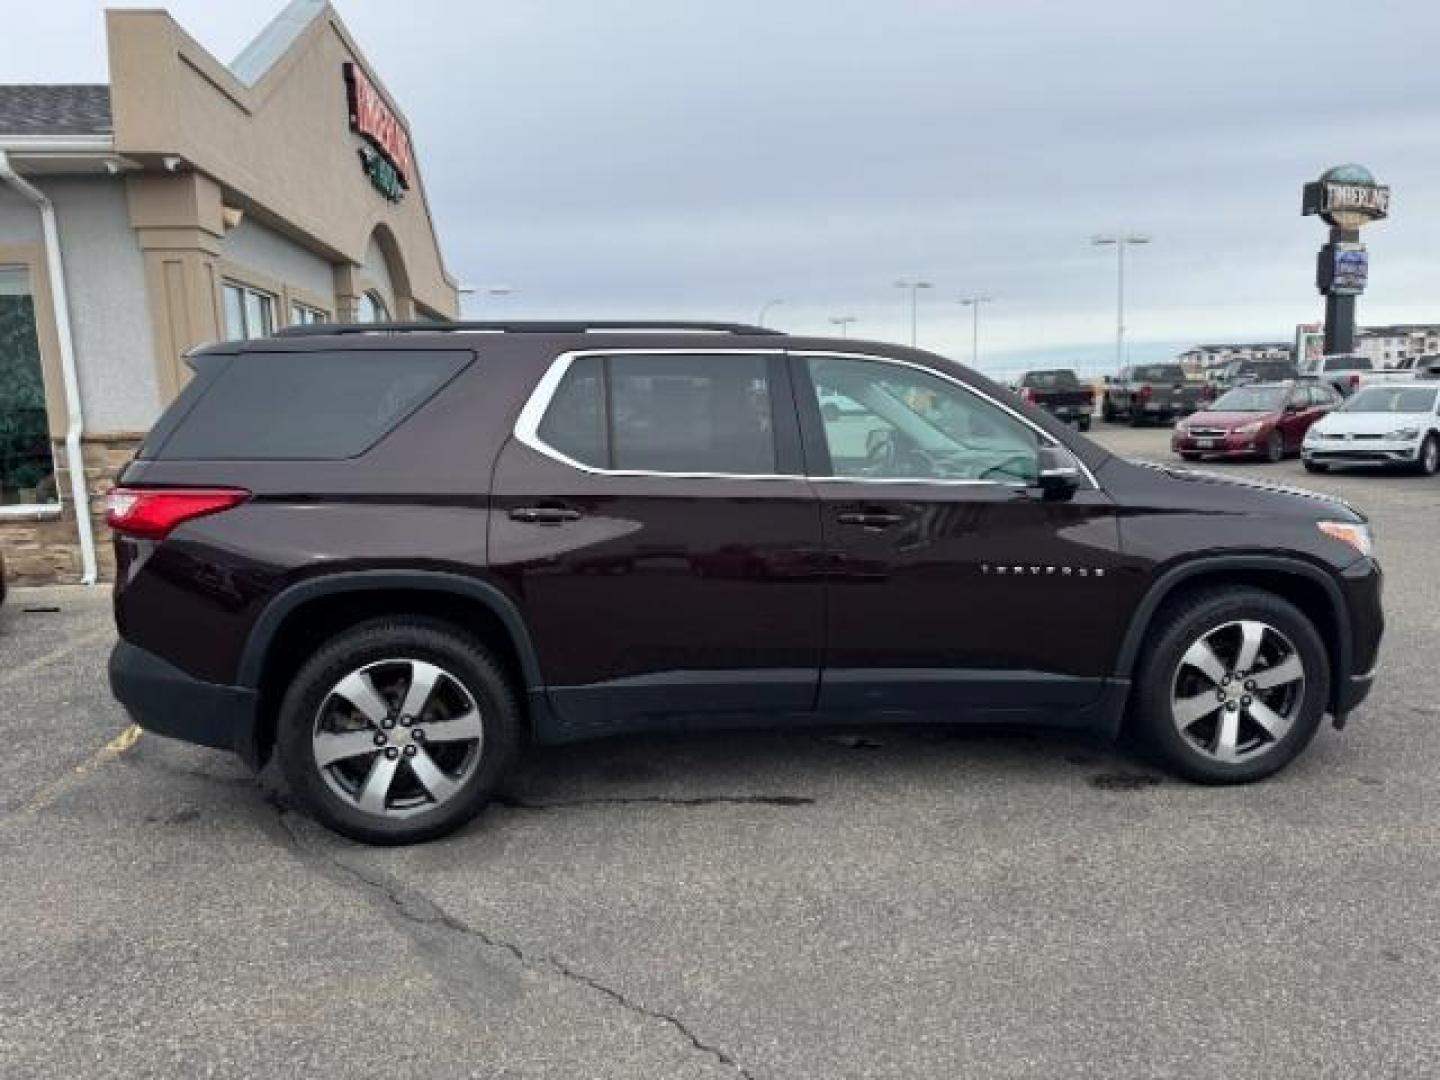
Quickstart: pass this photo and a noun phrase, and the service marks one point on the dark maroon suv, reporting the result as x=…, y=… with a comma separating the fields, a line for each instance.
x=393, y=554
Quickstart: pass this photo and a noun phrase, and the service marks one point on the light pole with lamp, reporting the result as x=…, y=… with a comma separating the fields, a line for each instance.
x=973, y=303
x=843, y=322
x=765, y=310
x=914, y=286
x=1121, y=242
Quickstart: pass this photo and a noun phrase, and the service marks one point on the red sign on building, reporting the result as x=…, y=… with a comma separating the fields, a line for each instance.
x=373, y=119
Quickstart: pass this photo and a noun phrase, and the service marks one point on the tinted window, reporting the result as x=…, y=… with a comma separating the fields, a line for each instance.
x=912, y=424
x=1051, y=380
x=673, y=413
x=307, y=405
x=1165, y=373
x=694, y=413
x=1348, y=363
x=574, y=424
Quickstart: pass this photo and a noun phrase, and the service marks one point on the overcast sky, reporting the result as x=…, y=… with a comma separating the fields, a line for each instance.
x=674, y=157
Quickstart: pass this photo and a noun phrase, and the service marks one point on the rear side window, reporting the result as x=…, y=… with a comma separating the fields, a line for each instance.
x=665, y=413
x=304, y=405
x=1051, y=380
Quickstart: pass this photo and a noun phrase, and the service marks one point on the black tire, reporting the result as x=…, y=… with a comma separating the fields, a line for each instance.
x=1275, y=448
x=1316, y=467
x=1182, y=623
x=433, y=641
x=1107, y=410
x=1083, y=423
x=1137, y=418
x=1189, y=455
x=1428, y=461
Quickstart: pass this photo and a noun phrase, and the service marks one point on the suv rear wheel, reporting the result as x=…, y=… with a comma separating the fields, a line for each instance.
x=397, y=731
x=1232, y=686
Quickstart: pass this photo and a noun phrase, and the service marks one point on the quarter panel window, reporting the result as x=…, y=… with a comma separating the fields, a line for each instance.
x=910, y=424
x=574, y=424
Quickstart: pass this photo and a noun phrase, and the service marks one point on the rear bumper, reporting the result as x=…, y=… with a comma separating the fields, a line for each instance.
x=163, y=699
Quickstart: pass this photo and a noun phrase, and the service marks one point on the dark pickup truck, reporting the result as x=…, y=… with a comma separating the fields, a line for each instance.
x=1149, y=392
x=1059, y=392
x=1244, y=372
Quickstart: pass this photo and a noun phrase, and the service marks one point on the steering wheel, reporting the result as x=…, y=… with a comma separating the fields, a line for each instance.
x=1000, y=466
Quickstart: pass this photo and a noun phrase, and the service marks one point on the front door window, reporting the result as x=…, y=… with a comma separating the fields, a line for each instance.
x=902, y=423
x=27, y=468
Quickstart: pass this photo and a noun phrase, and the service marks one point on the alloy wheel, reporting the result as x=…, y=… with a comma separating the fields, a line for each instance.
x=398, y=737
x=1237, y=691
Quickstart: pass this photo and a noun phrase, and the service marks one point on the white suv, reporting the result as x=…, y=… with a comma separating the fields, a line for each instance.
x=1392, y=424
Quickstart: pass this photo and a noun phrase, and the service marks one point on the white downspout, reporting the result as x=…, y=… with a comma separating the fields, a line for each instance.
x=74, y=456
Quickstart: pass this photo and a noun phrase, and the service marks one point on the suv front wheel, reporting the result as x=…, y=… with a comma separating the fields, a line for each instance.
x=1232, y=686
x=397, y=731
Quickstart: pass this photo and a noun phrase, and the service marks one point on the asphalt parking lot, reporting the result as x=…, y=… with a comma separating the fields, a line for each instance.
x=888, y=903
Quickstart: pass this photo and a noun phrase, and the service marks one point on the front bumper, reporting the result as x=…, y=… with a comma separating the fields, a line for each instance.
x=1227, y=445
x=163, y=699
x=1361, y=451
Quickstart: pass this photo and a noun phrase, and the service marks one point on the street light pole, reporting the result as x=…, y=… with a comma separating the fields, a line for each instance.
x=1121, y=242
x=765, y=310
x=843, y=322
x=914, y=286
x=973, y=303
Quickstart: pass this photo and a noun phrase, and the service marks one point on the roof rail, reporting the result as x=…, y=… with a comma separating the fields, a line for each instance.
x=510, y=327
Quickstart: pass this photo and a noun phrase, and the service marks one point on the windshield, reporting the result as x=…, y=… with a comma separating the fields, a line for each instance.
x=1392, y=399
x=1347, y=363
x=1260, y=399
x=1170, y=373
x=1051, y=380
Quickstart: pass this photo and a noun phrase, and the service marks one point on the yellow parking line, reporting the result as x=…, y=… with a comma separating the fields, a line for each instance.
x=112, y=749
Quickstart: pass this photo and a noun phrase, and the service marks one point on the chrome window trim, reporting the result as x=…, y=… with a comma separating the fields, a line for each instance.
x=527, y=423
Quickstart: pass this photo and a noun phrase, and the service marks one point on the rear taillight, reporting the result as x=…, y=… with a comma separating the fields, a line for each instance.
x=1027, y=395
x=1145, y=392
x=1355, y=381
x=154, y=512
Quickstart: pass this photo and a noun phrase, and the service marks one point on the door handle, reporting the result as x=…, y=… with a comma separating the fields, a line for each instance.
x=870, y=519
x=544, y=515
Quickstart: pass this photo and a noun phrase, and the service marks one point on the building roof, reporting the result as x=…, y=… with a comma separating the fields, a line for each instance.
x=55, y=110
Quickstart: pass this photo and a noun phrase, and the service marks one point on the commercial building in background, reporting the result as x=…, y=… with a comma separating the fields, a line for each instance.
x=1202, y=358
x=1385, y=345
x=184, y=202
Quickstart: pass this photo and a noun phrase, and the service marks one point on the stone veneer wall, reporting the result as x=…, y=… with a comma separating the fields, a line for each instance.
x=46, y=550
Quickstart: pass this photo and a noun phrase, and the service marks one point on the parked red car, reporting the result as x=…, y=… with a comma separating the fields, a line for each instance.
x=1266, y=420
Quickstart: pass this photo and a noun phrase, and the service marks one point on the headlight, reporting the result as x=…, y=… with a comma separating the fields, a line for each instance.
x=1404, y=434
x=1354, y=533
x=1250, y=429
x=1314, y=435
x=1182, y=428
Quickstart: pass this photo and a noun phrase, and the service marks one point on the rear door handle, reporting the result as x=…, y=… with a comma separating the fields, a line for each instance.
x=544, y=515
x=870, y=519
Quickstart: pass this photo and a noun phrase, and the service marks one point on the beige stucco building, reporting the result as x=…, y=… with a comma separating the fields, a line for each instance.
x=186, y=201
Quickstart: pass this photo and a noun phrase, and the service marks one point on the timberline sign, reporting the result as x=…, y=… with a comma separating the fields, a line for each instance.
x=1347, y=196
x=387, y=159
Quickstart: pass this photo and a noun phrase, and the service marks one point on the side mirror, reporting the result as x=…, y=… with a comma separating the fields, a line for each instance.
x=1058, y=477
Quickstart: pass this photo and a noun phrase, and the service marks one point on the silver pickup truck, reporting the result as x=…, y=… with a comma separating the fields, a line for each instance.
x=1343, y=371
x=1142, y=392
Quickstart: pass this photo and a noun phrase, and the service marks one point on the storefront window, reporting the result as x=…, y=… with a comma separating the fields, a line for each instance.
x=373, y=309
x=305, y=315
x=27, y=468
x=249, y=313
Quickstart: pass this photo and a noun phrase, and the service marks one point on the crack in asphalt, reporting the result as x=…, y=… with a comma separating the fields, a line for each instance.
x=514, y=802
x=413, y=906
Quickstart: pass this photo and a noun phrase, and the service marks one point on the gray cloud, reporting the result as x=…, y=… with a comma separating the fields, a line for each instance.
x=659, y=157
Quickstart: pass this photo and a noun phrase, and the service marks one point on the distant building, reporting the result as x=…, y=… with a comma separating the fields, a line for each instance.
x=1202, y=358
x=1384, y=345
x=183, y=201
